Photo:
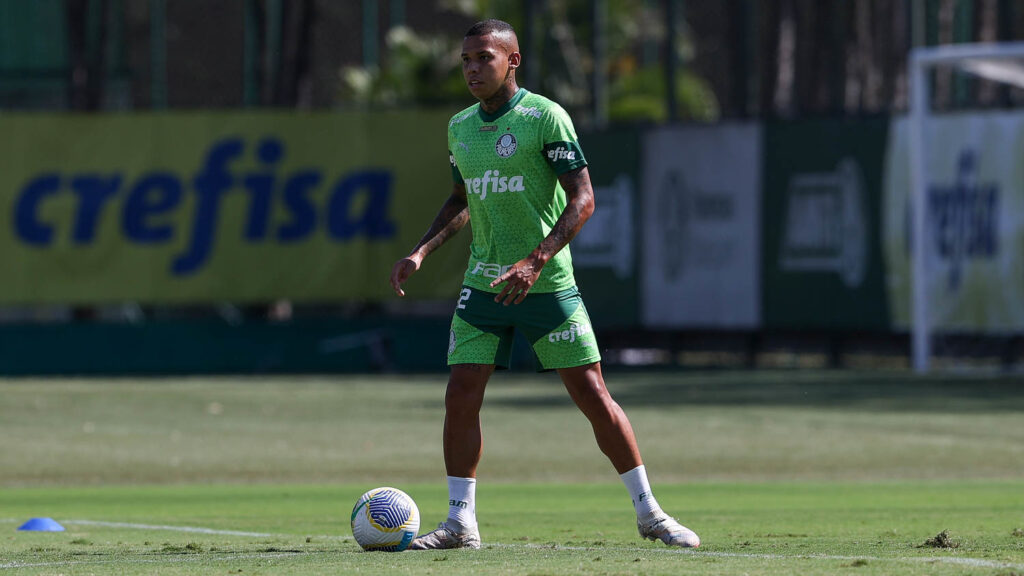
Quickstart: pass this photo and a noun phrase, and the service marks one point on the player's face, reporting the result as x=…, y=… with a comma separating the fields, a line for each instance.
x=486, y=63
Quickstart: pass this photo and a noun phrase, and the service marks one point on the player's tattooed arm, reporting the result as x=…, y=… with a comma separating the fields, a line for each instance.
x=452, y=217
x=579, y=194
x=454, y=214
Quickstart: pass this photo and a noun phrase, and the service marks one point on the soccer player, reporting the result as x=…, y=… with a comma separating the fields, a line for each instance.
x=521, y=178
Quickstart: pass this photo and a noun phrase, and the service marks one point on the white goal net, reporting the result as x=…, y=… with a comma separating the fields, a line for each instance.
x=965, y=143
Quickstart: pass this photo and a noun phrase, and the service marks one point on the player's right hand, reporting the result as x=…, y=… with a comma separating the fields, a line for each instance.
x=401, y=272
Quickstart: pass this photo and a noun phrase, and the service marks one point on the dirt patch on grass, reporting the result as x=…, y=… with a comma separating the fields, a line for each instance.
x=941, y=540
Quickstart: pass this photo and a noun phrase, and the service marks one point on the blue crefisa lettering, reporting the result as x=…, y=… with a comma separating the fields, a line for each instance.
x=300, y=207
x=964, y=218
x=357, y=204
x=371, y=189
x=26, y=210
x=211, y=182
x=151, y=197
x=93, y=192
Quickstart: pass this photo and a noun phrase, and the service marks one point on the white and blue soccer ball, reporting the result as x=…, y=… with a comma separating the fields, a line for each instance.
x=385, y=519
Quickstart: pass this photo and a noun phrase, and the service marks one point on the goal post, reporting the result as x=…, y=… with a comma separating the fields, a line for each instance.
x=997, y=62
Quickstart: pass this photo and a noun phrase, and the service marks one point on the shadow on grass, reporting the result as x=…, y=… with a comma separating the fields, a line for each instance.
x=865, y=391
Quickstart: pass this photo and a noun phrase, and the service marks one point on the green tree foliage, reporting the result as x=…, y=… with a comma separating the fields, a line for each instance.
x=419, y=70
x=424, y=70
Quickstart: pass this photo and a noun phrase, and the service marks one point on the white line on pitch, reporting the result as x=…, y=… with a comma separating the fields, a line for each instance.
x=191, y=558
x=193, y=529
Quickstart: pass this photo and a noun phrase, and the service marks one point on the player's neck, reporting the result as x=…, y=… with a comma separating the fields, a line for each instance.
x=494, y=102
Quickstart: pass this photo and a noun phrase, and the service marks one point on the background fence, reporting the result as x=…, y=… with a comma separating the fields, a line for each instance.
x=238, y=177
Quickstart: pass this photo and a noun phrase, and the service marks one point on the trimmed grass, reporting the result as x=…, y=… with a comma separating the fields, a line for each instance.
x=779, y=472
x=801, y=528
x=731, y=426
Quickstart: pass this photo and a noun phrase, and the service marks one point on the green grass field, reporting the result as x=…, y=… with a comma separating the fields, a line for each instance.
x=779, y=472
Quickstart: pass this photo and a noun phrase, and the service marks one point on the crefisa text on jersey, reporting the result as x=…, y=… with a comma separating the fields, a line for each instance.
x=357, y=204
x=493, y=181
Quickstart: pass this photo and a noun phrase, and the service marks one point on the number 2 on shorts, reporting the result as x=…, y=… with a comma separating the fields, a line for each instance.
x=463, y=296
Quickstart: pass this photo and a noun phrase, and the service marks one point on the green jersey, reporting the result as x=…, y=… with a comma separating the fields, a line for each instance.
x=509, y=162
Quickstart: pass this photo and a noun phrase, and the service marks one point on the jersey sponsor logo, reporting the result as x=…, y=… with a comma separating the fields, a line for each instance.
x=561, y=153
x=489, y=270
x=494, y=183
x=575, y=329
x=489, y=128
x=531, y=111
x=506, y=145
x=459, y=118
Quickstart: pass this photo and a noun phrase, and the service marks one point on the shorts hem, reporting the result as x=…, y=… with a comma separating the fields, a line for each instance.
x=497, y=365
x=570, y=364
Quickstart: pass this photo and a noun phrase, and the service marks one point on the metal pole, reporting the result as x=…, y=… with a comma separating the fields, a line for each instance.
x=115, y=56
x=599, y=91
x=671, y=61
x=158, y=53
x=531, y=53
x=837, y=73
x=920, y=329
x=370, y=17
x=397, y=13
x=753, y=57
x=650, y=50
x=917, y=23
x=963, y=32
x=251, y=55
x=274, y=24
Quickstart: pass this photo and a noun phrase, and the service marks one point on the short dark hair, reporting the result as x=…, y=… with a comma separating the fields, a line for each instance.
x=490, y=26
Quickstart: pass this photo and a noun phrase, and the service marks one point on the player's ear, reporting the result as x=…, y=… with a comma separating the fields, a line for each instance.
x=514, y=59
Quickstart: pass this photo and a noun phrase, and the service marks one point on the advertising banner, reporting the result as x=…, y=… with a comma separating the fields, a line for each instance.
x=207, y=207
x=974, y=245
x=822, y=255
x=604, y=252
x=701, y=227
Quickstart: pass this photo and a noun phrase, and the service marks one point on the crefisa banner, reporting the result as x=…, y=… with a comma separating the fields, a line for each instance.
x=701, y=233
x=201, y=207
x=974, y=243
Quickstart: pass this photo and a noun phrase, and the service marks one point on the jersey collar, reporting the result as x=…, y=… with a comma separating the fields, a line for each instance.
x=519, y=95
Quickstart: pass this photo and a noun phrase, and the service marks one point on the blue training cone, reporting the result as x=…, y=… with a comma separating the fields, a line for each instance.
x=42, y=525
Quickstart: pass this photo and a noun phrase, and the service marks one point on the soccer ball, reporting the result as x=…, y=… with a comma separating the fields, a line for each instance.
x=385, y=519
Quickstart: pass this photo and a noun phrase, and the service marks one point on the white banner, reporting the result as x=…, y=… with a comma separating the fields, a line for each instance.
x=975, y=237
x=701, y=227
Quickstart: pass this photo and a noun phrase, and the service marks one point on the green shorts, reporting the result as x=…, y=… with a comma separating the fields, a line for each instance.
x=556, y=325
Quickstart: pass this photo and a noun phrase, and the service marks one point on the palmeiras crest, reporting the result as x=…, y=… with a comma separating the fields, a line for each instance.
x=506, y=145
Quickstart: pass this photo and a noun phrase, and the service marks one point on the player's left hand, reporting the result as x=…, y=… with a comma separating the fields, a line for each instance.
x=518, y=280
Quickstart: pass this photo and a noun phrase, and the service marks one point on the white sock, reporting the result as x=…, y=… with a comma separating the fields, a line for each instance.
x=640, y=491
x=462, y=502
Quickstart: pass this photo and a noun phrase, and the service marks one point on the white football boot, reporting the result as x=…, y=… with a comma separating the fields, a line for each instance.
x=661, y=526
x=446, y=538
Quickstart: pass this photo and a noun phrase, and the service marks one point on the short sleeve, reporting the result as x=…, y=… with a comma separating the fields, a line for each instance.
x=456, y=174
x=561, y=149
